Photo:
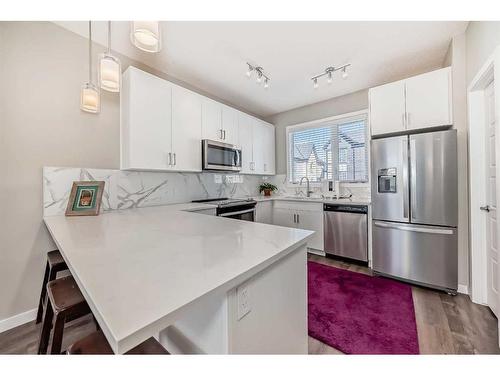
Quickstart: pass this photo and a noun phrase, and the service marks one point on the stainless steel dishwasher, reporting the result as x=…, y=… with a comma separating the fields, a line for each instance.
x=346, y=231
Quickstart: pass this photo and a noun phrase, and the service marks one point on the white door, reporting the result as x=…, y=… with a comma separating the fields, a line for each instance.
x=387, y=108
x=312, y=220
x=246, y=142
x=211, y=118
x=491, y=227
x=146, y=121
x=230, y=125
x=284, y=217
x=428, y=99
x=259, y=141
x=186, y=129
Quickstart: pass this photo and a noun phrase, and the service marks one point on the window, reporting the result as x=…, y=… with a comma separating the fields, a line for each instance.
x=333, y=149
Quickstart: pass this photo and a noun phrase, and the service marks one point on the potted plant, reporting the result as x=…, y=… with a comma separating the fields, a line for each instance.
x=267, y=188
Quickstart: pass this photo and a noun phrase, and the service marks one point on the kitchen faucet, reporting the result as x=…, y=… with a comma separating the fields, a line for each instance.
x=308, y=191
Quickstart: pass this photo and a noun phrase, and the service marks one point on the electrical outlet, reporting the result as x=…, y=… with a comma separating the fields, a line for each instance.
x=243, y=299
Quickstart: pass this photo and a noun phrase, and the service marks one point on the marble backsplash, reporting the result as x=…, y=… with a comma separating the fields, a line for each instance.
x=127, y=189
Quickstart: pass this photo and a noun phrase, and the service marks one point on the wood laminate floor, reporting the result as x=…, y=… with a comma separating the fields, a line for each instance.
x=445, y=324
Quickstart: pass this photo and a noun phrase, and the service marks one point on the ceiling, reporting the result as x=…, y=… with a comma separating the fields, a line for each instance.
x=212, y=56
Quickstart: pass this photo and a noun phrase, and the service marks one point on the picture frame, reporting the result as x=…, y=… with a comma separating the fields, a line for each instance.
x=85, y=198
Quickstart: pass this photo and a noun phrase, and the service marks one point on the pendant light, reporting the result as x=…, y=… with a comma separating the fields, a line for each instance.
x=146, y=35
x=89, y=97
x=109, y=68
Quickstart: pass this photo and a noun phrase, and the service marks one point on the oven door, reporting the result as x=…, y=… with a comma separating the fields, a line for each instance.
x=221, y=156
x=247, y=214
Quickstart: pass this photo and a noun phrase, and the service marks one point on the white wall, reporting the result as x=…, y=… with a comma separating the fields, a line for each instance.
x=481, y=38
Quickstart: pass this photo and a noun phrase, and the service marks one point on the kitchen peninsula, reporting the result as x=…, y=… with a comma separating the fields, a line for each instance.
x=199, y=283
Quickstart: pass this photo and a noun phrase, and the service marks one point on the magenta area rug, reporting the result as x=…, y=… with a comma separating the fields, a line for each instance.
x=360, y=314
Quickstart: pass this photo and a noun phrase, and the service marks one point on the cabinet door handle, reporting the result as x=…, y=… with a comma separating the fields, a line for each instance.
x=221, y=134
x=295, y=218
x=224, y=134
x=175, y=158
x=169, y=158
x=298, y=219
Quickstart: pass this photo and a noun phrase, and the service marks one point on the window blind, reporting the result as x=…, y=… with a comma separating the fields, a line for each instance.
x=330, y=150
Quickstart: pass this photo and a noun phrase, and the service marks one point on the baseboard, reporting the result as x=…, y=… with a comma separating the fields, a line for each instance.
x=463, y=289
x=17, y=320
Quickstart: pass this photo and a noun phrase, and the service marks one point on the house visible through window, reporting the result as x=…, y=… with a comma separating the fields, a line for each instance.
x=334, y=150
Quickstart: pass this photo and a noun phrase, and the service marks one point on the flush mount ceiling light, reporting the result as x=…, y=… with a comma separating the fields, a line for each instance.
x=261, y=76
x=146, y=35
x=109, y=68
x=329, y=73
x=89, y=95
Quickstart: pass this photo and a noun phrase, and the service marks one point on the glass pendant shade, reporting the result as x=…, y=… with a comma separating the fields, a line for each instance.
x=146, y=35
x=89, y=98
x=109, y=72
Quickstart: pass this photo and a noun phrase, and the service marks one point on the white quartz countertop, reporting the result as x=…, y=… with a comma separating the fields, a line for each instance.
x=354, y=201
x=138, y=268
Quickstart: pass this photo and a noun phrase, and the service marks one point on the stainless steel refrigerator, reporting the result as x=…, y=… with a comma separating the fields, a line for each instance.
x=414, y=208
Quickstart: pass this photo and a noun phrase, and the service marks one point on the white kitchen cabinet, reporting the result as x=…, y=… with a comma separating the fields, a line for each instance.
x=146, y=127
x=419, y=102
x=246, y=142
x=219, y=122
x=428, y=100
x=284, y=217
x=264, y=212
x=211, y=117
x=269, y=149
x=259, y=134
x=162, y=126
x=312, y=220
x=186, y=130
x=257, y=140
x=230, y=125
x=387, y=108
x=303, y=215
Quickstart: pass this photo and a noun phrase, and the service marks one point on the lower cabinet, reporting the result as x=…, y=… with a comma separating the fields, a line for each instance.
x=264, y=212
x=301, y=215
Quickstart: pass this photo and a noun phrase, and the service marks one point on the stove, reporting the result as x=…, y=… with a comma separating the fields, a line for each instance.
x=241, y=209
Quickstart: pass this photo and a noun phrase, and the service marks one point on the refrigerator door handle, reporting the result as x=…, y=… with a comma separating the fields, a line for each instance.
x=413, y=176
x=405, y=179
x=413, y=228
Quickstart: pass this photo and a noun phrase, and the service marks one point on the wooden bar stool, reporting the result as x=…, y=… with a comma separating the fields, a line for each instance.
x=96, y=343
x=55, y=264
x=65, y=303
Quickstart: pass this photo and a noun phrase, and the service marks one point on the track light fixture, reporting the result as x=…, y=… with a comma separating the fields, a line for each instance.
x=261, y=76
x=329, y=73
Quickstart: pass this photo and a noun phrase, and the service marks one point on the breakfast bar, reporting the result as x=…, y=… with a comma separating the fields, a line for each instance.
x=148, y=271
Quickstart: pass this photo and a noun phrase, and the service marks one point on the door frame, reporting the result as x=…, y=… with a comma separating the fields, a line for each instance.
x=477, y=172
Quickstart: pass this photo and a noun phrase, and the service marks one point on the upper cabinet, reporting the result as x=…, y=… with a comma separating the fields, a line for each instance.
x=257, y=141
x=428, y=100
x=146, y=121
x=387, y=108
x=219, y=122
x=186, y=130
x=162, y=126
x=420, y=102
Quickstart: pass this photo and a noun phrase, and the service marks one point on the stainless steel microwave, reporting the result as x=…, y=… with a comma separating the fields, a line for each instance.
x=219, y=156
